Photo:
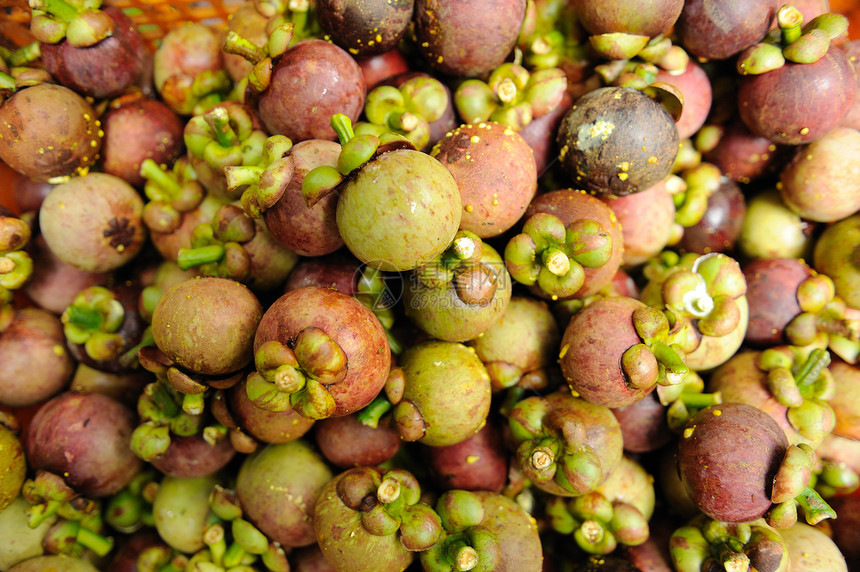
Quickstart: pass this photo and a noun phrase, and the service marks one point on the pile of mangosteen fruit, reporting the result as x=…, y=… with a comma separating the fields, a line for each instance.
x=431, y=285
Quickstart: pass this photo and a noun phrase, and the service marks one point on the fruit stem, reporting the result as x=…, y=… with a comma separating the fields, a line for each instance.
x=60, y=9
x=241, y=46
x=219, y=121
x=151, y=171
x=463, y=556
x=373, y=412
x=811, y=369
x=100, y=545
x=700, y=400
x=790, y=22
x=190, y=257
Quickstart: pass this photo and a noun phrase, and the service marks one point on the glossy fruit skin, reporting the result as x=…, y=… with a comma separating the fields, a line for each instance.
x=347, y=442
x=348, y=323
x=798, y=103
x=312, y=81
x=467, y=38
x=648, y=18
x=728, y=457
x=771, y=291
x=646, y=220
x=104, y=70
x=267, y=426
x=55, y=120
x=515, y=530
x=206, y=325
x=400, y=211
x=84, y=437
x=615, y=141
x=695, y=86
x=478, y=463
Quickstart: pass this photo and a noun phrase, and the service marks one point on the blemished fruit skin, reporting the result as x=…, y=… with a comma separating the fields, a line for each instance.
x=400, y=211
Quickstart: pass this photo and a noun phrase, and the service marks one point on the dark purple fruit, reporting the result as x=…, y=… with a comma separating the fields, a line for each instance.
x=615, y=141
x=728, y=457
x=365, y=27
x=720, y=30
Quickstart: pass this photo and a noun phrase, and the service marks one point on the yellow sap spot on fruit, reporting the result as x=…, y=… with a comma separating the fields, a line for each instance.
x=41, y=150
x=624, y=166
x=495, y=202
x=717, y=412
x=804, y=131
x=688, y=432
x=58, y=350
x=425, y=44
x=475, y=139
x=563, y=351
x=623, y=176
x=440, y=59
x=378, y=37
x=574, y=393
x=469, y=208
x=473, y=459
x=353, y=51
x=652, y=160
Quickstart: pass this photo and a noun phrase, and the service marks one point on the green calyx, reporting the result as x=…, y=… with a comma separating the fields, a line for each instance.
x=225, y=136
x=193, y=96
x=297, y=375
x=691, y=200
x=553, y=256
x=80, y=22
x=792, y=490
x=464, y=544
x=705, y=543
x=264, y=184
x=131, y=508
x=262, y=57
x=822, y=311
x=409, y=109
x=216, y=247
x=545, y=453
x=794, y=41
x=511, y=96
x=170, y=193
x=659, y=358
x=597, y=524
x=802, y=383
x=93, y=319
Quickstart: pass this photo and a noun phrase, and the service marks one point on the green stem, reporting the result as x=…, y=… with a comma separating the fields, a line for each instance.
x=238, y=176
x=60, y=9
x=790, y=22
x=191, y=257
x=241, y=46
x=37, y=514
x=234, y=555
x=100, y=545
x=342, y=125
x=219, y=121
x=150, y=171
x=700, y=400
x=374, y=411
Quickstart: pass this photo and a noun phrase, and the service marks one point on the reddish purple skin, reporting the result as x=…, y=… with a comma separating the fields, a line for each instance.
x=350, y=324
x=346, y=442
x=103, y=70
x=191, y=457
x=339, y=270
x=143, y=129
x=591, y=350
x=721, y=224
x=695, y=86
x=380, y=67
x=640, y=17
x=728, y=462
x=307, y=231
x=540, y=134
x=467, y=38
x=743, y=156
x=772, y=296
x=84, y=437
x=365, y=27
x=798, y=103
x=479, y=463
x=643, y=425
x=267, y=426
x=311, y=82
x=719, y=30
x=570, y=205
x=33, y=369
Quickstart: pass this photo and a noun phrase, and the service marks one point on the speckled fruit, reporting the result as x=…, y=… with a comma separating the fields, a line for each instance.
x=13, y=467
x=207, y=325
x=495, y=171
x=93, y=222
x=311, y=82
x=48, y=131
x=365, y=27
x=400, y=211
x=278, y=487
x=616, y=140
